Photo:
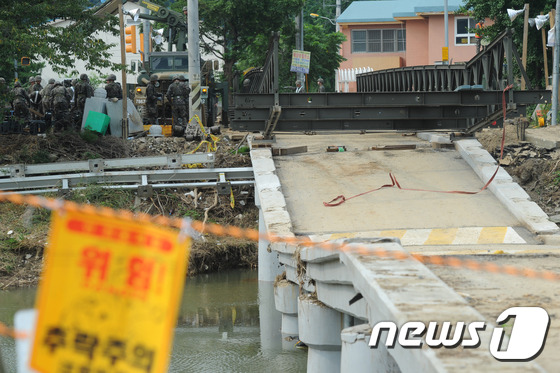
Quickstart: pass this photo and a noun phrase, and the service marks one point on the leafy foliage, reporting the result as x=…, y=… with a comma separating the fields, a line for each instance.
x=239, y=33
x=497, y=11
x=33, y=29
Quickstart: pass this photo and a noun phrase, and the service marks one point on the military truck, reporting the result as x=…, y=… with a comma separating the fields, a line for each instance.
x=165, y=65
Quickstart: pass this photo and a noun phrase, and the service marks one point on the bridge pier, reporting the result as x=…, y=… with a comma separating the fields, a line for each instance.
x=358, y=357
x=268, y=259
x=286, y=301
x=319, y=329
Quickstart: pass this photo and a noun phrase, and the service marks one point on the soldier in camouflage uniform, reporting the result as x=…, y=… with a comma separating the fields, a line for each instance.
x=30, y=84
x=38, y=86
x=36, y=98
x=20, y=102
x=46, y=96
x=114, y=90
x=60, y=102
x=82, y=91
x=178, y=97
x=151, y=100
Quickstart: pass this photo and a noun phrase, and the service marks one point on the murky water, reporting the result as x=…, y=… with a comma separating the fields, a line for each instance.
x=227, y=323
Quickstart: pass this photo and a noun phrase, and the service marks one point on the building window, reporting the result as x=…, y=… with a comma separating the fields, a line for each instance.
x=463, y=33
x=378, y=41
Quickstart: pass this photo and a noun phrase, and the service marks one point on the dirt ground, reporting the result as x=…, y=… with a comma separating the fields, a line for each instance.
x=23, y=230
x=537, y=170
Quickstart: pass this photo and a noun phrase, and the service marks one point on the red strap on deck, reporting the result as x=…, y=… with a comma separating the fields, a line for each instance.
x=394, y=183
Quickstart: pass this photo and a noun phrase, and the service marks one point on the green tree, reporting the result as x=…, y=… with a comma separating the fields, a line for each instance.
x=239, y=32
x=497, y=11
x=27, y=28
x=231, y=27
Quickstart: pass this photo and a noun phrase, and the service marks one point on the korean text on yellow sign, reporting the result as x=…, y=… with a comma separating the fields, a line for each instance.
x=109, y=295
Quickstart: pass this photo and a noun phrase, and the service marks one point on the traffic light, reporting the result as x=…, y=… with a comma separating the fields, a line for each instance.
x=130, y=39
x=25, y=61
x=204, y=92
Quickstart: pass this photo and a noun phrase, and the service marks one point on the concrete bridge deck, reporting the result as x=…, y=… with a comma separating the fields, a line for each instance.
x=499, y=225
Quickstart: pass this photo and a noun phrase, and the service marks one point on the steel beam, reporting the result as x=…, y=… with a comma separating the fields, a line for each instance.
x=377, y=111
x=134, y=179
x=380, y=99
x=208, y=184
x=100, y=165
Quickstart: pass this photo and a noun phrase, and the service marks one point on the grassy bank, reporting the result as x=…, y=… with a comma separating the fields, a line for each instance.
x=24, y=229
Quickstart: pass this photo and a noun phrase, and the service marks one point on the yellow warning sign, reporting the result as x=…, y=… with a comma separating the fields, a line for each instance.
x=109, y=295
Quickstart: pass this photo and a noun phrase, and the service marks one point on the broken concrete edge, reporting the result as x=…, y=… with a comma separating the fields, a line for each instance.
x=542, y=143
x=434, y=137
x=268, y=189
x=528, y=212
x=402, y=291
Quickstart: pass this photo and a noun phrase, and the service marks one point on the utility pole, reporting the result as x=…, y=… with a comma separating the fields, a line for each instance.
x=446, y=31
x=147, y=29
x=545, y=57
x=299, y=42
x=15, y=70
x=555, y=61
x=195, y=104
x=123, y=63
x=337, y=14
x=525, y=37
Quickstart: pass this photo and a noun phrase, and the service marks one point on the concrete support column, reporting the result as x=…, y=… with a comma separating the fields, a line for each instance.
x=319, y=329
x=268, y=259
x=270, y=320
x=358, y=357
x=286, y=300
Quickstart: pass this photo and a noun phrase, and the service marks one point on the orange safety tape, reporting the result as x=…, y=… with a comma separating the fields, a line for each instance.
x=254, y=235
x=339, y=200
x=6, y=331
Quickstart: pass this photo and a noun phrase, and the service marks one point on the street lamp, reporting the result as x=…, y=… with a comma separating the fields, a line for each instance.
x=332, y=21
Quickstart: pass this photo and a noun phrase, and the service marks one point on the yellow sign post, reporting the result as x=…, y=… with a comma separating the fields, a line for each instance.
x=444, y=53
x=109, y=295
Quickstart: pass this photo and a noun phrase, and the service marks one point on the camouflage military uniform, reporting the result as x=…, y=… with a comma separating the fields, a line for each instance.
x=21, y=102
x=38, y=86
x=151, y=101
x=35, y=97
x=178, y=96
x=30, y=85
x=60, y=102
x=113, y=89
x=82, y=91
x=46, y=96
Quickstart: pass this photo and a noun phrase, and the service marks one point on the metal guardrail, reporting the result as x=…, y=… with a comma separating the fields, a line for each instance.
x=100, y=165
x=143, y=180
x=62, y=177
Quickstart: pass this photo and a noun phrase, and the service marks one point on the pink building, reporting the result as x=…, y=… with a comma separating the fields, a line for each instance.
x=396, y=33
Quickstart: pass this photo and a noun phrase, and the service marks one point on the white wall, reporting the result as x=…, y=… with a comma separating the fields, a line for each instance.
x=115, y=52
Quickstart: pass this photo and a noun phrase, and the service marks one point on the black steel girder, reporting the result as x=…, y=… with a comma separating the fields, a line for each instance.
x=377, y=110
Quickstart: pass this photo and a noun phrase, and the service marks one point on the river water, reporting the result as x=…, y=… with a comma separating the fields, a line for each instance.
x=227, y=323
